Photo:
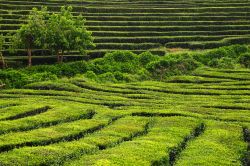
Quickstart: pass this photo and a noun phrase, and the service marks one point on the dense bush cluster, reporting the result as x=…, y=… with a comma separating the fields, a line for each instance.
x=125, y=66
x=172, y=65
x=223, y=57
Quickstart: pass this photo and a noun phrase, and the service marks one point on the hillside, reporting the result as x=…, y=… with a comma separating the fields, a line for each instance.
x=201, y=119
x=141, y=25
x=167, y=84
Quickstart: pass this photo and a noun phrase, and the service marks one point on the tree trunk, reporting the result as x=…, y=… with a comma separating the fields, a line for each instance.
x=58, y=56
x=62, y=53
x=29, y=57
x=2, y=60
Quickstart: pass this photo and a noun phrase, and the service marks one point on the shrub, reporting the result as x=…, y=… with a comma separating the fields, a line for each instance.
x=125, y=77
x=121, y=56
x=107, y=77
x=185, y=62
x=244, y=59
x=215, y=54
x=60, y=70
x=147, y=57
x=225, y=62
x=45, y=76
x=43, y=68
x=213, y=63
x=73, y=68
x=172, y=65
x=13, y=78
x=91, y=75
x=159, y=68
x=123, y=61
x=98, y=66
x=143, y=74
x=119, y=76
x=230, y=52
x=200, y=57
x=239, y=49
x=212, y=57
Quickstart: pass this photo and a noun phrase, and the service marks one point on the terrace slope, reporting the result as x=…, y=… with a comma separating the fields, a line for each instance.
x=141, y=25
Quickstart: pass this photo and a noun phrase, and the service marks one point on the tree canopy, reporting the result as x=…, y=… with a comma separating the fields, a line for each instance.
x=66, y=32
x=31, y=35
x=58, y=32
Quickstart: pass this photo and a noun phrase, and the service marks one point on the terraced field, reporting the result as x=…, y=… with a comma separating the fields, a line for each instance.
x=141, y=25
x=201, y=119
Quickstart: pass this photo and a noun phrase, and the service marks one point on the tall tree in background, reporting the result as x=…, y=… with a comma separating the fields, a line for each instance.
x=2, y=39
x=31, y=35
x=66, y=32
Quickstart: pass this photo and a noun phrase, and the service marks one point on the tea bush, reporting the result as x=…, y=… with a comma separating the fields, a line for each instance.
x=244, y=59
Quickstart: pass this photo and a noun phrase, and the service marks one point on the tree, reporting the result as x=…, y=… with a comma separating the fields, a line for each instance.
x=3, y=64
x=32, y=34
x=66, y=32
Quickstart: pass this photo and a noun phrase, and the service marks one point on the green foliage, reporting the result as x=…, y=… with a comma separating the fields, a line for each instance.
x=216, y=54
x=224, y=62
x=140, y=123
x=64, y=32
x=143, y=74
x=45, y=76
x=239, y=49
x=223, y=57
x=125, y=66
x=220, y=143
x=147, y=57
x=57, y=32
x=172, y=65
x=13, y=78
x=123, y=61
x=200, y=118
x=91, y=75
x=60, y=70
x=1, y=42
x=107, y=77
x=244, y=59
x=68, y=70
x=16, y=79
x=43, y=68
x=31, y=35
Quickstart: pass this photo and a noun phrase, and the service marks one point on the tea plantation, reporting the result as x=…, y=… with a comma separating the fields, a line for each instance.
x=167, y=84
x=201, y=119
x=141, y=25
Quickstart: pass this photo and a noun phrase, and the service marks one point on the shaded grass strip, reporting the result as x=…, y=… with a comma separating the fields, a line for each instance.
x=88, y=115
x=29, y=113
x=246, y=157
x=176, y=151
